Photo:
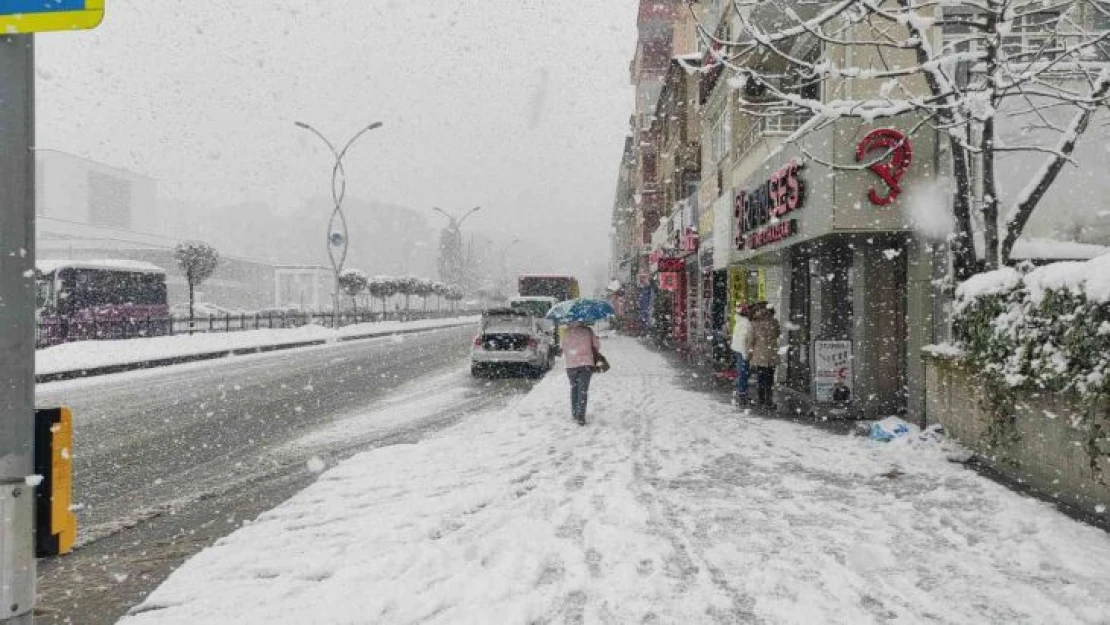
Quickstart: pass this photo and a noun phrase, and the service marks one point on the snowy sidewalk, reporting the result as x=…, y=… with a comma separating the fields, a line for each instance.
x=668, y=508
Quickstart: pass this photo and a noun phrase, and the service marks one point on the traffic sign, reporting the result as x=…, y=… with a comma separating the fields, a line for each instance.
x=36, y=16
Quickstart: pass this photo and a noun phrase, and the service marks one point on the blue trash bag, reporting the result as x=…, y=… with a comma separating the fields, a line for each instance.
x=891, y=428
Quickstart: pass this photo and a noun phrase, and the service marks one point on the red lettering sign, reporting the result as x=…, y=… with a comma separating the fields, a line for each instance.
x=886, y=141
x=782, y=194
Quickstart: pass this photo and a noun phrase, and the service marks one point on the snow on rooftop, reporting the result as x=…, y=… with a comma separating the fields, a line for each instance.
x=46, y=266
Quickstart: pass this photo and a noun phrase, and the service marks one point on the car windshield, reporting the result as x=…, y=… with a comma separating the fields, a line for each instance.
x=537, y=308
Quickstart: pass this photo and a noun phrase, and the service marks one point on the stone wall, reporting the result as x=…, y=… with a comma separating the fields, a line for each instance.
x=1051, y=442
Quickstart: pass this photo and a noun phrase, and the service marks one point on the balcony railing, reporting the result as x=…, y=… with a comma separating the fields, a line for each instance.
x=775, y=126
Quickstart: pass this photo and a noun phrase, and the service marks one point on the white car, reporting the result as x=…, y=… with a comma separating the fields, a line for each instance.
x=538, y=306
x=512, y=340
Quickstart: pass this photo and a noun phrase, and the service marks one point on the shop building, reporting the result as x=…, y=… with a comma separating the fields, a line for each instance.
x=833, y=250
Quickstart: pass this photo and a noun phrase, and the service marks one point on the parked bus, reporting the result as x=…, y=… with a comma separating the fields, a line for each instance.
x=102, y=299
x=561, y=288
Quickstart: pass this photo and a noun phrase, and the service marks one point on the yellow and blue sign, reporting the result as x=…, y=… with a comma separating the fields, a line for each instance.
x=36, y=16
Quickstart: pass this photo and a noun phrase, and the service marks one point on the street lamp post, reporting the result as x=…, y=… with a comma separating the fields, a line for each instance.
x=455, y=263
x=337, y=236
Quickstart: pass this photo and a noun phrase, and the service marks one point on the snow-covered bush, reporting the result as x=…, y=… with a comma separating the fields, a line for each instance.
x=1048, y=328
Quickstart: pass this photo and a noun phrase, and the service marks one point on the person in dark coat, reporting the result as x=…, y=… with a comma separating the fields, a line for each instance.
x=765, y=353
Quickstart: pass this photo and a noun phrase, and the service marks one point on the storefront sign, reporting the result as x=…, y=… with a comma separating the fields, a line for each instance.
x=668, y=281
x=671, y=263
x=877, y=144
x=832, y=375
x=689, y=241
x=758, y=212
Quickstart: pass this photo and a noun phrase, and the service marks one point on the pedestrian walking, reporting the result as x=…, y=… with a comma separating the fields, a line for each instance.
x=741, y=344
x=765, y=353
x=580, y=349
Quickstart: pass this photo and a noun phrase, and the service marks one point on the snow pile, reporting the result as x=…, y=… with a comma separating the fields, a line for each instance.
x=1048, y=328
x=92, y=354
x=669, y=507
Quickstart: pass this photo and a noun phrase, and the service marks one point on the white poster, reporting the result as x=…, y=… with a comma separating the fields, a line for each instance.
x=832, y=371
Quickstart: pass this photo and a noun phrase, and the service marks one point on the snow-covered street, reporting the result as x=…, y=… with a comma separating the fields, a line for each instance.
x=669, y=507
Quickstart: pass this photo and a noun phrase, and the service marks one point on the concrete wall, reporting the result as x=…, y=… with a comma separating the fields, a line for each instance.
x=1046, y=440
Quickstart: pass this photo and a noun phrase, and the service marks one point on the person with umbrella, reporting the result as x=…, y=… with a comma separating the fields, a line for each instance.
x=581, y=348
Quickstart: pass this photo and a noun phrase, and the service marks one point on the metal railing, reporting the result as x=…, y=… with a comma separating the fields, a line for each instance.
x=55, y=331
x=773, y=126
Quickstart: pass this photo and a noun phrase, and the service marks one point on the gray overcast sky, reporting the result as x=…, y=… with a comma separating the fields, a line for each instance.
x=518, y=105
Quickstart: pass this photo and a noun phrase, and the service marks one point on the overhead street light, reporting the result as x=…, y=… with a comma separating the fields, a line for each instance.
x=451, y=269
x=338, y=240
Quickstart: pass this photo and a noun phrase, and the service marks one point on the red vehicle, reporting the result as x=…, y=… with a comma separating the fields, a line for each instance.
x=105, y=299
x=561, y=288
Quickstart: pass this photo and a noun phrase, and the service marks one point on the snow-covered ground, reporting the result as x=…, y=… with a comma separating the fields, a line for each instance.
x=91, y=354
x=669, y=507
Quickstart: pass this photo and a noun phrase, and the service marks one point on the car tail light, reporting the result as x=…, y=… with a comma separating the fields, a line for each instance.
x=477, y=341
x=533, y=343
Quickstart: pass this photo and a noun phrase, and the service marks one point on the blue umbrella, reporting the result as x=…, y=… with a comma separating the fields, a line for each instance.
x=581, y=310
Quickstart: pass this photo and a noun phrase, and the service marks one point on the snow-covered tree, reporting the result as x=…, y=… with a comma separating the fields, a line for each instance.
x=353, y=282
x=408, y=286
x=425, y=288
x=994, y=77
x=454, y=295
x=440, y=290
x=198, y=260
x=383, y=288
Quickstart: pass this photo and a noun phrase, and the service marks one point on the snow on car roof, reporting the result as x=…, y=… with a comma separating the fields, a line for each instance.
x=46, y=266
x=505, y=312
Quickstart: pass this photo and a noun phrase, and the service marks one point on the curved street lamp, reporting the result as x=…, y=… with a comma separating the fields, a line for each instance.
x=337, y=235
x=454, y=227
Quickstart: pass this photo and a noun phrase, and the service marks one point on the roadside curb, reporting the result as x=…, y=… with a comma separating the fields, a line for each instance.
x=58, y=376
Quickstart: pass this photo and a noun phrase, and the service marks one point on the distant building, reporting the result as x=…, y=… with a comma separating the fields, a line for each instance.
x=304, y=287
x=88, y=210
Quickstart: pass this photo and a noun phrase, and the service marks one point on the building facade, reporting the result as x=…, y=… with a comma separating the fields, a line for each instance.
x=820, y=218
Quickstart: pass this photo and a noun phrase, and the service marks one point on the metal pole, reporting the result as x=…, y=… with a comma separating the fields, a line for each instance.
x=17, y=318
x=337, y=235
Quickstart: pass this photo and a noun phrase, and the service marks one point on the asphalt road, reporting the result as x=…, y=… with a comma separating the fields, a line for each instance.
x=167, y=461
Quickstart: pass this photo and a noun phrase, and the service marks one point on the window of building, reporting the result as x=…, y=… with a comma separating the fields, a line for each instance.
x=1032, y=36
x=719, y=131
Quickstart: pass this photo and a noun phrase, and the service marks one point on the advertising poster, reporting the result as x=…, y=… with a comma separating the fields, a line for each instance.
x=832, y=375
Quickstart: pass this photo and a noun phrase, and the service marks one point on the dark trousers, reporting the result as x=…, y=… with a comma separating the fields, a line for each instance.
x=764, y=385
x=579, y=390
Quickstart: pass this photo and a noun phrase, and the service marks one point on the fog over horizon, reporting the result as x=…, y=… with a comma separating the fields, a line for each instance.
x=518, y=106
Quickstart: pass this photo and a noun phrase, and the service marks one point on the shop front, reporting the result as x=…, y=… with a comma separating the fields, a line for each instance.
x=831, y=250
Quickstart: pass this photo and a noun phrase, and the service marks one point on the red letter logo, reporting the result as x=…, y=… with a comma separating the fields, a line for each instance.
x=901, y=154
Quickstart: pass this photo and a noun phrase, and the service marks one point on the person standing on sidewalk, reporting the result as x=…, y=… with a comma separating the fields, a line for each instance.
x=741, y=348
x=580, y=346
x=765, y=353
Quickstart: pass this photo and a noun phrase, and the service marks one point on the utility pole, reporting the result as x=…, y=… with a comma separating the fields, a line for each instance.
x=17, y=329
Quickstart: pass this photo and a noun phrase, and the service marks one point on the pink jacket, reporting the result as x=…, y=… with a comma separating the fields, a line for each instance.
x=579, y=344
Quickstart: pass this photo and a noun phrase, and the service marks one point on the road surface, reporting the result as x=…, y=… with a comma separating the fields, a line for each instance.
x=167, y=461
